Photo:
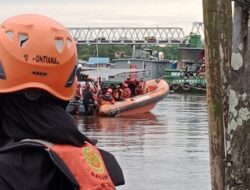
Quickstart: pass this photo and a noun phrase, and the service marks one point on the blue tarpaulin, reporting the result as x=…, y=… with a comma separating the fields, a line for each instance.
x=98, y=60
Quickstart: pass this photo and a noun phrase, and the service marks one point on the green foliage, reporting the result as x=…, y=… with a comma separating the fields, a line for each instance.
x=86, y=51
x=170, y=52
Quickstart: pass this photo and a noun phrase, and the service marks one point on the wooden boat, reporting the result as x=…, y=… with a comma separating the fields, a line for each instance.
x=154, y=91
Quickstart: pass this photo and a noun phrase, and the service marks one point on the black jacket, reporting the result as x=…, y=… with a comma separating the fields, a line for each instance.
x=31, y=168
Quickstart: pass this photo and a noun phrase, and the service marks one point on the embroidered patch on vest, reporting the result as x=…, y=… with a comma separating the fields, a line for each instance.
x=93, y=160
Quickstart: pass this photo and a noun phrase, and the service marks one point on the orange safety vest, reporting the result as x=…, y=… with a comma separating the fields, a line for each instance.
x=87, y=166
x=126, y=92
x=107, y=100
x=84, y=166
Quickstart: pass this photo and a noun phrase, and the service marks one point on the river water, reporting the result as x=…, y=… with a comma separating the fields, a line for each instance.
x=166, y=149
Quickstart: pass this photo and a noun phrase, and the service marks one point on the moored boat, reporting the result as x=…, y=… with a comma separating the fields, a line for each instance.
x=188, y=74
x=181, y=82
x=154, y=91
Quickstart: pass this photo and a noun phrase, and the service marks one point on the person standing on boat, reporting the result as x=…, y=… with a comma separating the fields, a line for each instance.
x=78, y=71
x=38, y=138
x=77, y=97
x=139, y=88
x=202, y=70
x=118, y=93
x=87, y=99
x=131, y=82
x=126, y=91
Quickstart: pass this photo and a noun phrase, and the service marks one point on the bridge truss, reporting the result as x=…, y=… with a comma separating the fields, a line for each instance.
x=128, y=35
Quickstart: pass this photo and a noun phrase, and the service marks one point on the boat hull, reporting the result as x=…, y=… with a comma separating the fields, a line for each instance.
x=155, y=90
x=182, y=84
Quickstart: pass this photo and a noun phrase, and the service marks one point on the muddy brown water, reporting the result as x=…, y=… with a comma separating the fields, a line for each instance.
x=166, y=149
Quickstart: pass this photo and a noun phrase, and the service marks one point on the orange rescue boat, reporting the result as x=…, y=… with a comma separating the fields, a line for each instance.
x=154, y=91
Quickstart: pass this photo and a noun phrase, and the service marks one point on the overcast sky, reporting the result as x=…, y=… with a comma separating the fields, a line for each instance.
x=74, y=13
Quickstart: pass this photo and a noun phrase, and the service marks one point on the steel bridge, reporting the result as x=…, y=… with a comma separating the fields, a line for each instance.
x=147, y=35
x=131, y=35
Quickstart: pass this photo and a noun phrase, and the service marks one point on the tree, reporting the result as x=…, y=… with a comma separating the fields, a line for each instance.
x=228, y=62
x=238, y=130
x=218, y=29
x=86, y=51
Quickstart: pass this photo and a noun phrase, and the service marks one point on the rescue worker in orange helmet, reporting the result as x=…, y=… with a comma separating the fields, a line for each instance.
x=37, y=79
x=126, y=91
x=107, y=97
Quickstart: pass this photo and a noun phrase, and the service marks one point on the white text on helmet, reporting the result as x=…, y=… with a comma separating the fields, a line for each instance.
x=45, y=59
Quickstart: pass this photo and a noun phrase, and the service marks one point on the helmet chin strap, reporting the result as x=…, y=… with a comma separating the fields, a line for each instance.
x=32, y=94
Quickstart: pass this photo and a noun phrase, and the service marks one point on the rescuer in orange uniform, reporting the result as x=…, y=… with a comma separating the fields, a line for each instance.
x=107, y=97
x=126, y=91
x=41, y=147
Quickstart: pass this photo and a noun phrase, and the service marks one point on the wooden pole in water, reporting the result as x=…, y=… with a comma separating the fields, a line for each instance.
x=217, y=27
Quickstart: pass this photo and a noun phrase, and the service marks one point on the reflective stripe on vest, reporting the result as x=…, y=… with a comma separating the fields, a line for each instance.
x=87, y=166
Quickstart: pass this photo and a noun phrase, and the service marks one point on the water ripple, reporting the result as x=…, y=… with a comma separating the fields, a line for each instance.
x=166, y=149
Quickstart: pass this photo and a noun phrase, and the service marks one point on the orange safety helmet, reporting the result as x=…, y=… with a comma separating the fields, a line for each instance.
x=37, y=52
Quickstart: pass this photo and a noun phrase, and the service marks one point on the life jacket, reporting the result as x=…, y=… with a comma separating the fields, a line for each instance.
x=118, y=93
x=126, y=92
x=106, y=99
x=84, y=166
x=139, y=90
x=87, y=166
